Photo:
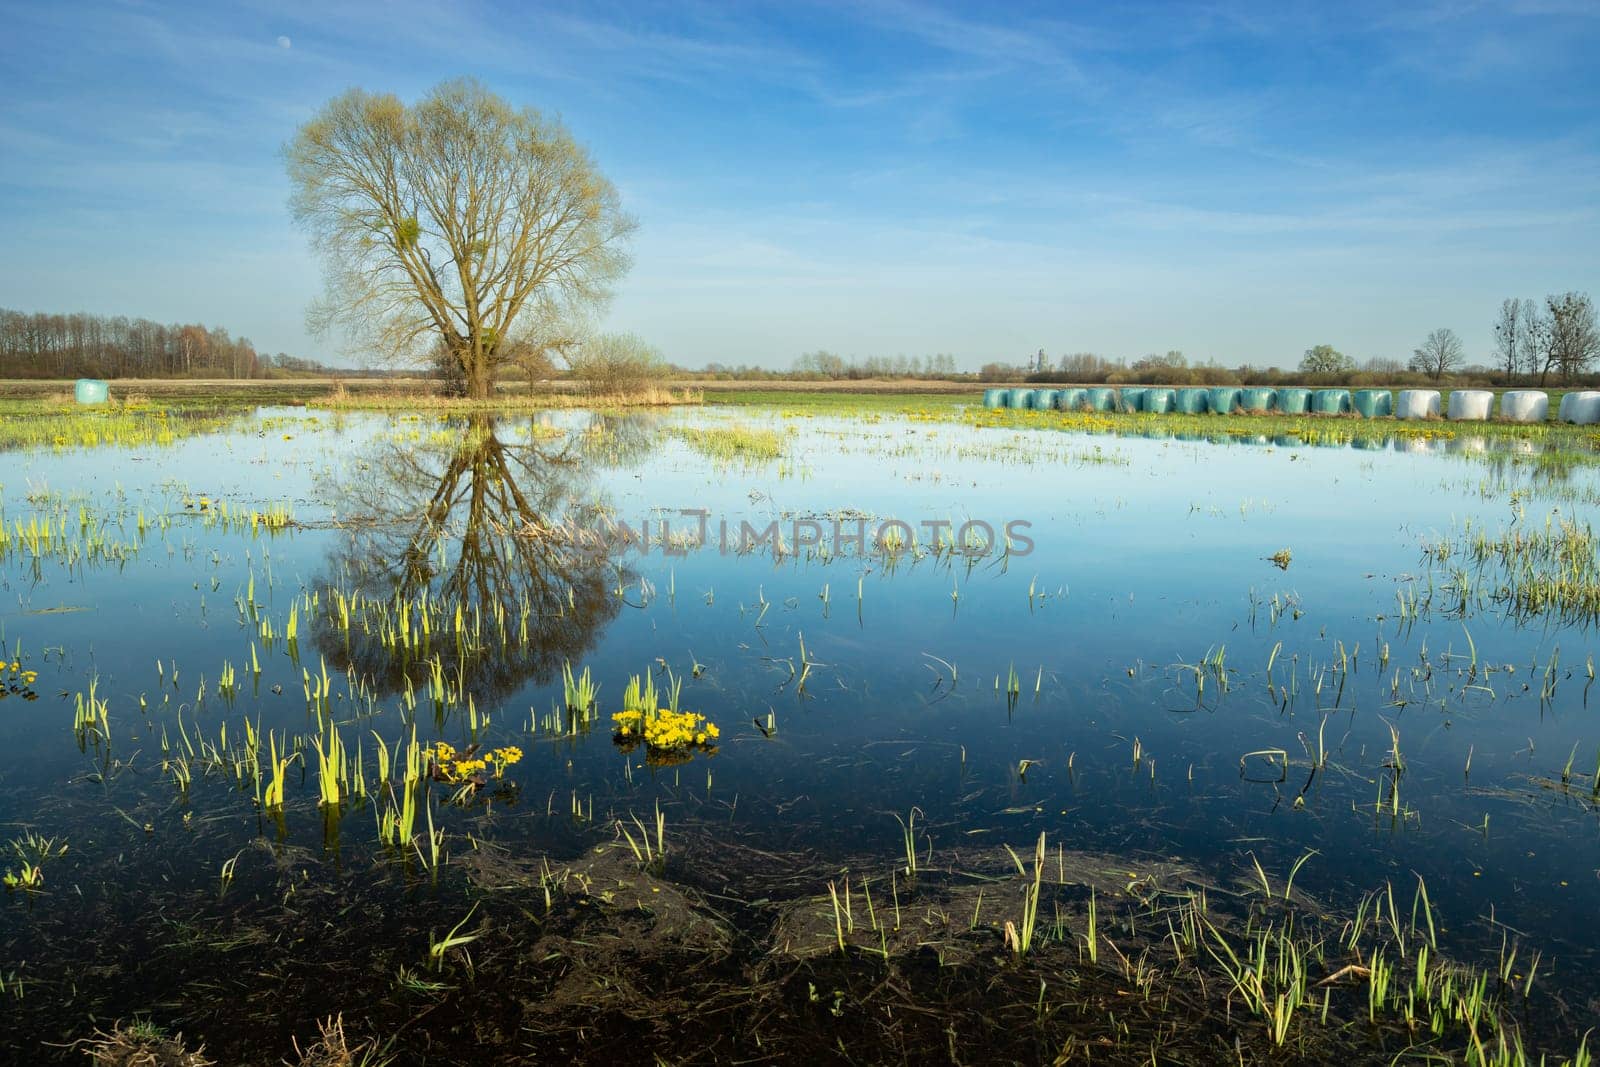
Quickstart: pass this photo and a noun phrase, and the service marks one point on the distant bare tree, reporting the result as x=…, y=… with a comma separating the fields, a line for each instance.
x=1535, y=330
x=1440, y=354
x=459, y=220
x=1571, y=341
x=1509, y=338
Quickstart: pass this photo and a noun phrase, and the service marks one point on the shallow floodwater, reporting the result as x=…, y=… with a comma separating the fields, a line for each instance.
x=1137, y=606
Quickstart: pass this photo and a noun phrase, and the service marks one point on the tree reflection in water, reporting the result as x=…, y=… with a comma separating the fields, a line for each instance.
x=478, y=522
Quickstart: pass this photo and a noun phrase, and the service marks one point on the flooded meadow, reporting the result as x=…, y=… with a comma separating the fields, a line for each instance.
x=773, y=732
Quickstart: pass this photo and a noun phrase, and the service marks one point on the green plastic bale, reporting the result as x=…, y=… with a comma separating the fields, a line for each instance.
x=1372, y=403
x=1258, y=399
x=1132, y=400
x=1330, y=401
x=91, y=391
x=1071, y=399
x=1021, y=399
x=994, y=398
x=1294, y=401
x=1102, y=399
x=1159, y=400
x=1044, y=399
x=1190, y=401
x=1222, y=399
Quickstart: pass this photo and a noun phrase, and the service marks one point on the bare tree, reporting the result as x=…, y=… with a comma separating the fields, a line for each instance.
x=1440, y=354
x=1511, y=334
x=1571, y=341
x=458, y=220
x=1535, y=329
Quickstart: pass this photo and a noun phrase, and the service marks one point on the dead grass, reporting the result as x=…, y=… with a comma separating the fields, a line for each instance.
x=333, y=1049
x=412, y=401
x=143, y=1045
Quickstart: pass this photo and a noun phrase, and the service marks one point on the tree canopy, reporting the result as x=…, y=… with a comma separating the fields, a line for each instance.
x=458, y=221
x=1440, y=353
x=1325, y=359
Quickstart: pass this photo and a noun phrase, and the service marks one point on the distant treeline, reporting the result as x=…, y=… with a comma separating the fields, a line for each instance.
x=823, y=365
x=1534, y=341
x=80, y=345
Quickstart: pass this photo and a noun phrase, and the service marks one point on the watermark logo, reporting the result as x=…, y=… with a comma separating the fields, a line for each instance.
x=688, y=530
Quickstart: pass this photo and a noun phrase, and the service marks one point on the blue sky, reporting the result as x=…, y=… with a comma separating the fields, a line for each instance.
x=1237, y=181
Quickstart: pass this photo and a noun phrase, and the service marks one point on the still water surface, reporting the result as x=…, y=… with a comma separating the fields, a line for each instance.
x=1148, y=575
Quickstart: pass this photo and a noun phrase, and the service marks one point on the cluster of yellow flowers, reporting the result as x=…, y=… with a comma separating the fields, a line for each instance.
x=666, y=731
x=502, y=758
x=458, y=767
x=15, y=681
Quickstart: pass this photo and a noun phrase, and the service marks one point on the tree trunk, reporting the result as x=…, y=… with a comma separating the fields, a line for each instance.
x=479, y=381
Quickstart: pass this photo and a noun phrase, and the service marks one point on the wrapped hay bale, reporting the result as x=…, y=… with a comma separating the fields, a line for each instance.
x=1257, y=399
x=1022, y=399
x=994, y=398
x=1131, y=400
x=1581, y=408
x=1372, y=403
x=1102, y=399
x=1222, y=399
x=91, y=391
x=1190, y=401
x=1070, y=399
x=1044, y=399
x=1159, y=400
x=1525, y=405
x=1417, y=404
x=1294, y=401
x=1469, y=405
x=1330, y=401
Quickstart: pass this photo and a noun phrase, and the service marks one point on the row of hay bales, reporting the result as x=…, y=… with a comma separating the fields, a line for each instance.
x=1465, y=405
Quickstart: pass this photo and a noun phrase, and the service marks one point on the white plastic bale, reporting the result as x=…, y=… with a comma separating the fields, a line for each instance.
x=1417, y=404
x=1584, y=407
x=1470, y=405
x=1525, y=405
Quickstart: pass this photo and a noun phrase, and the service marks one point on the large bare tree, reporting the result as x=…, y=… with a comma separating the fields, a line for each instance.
x=1512, y=328
x=1440, y=354
x=1571, y=340
x=459, y=222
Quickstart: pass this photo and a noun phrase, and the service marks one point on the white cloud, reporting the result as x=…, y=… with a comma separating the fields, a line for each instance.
x=284, y=42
